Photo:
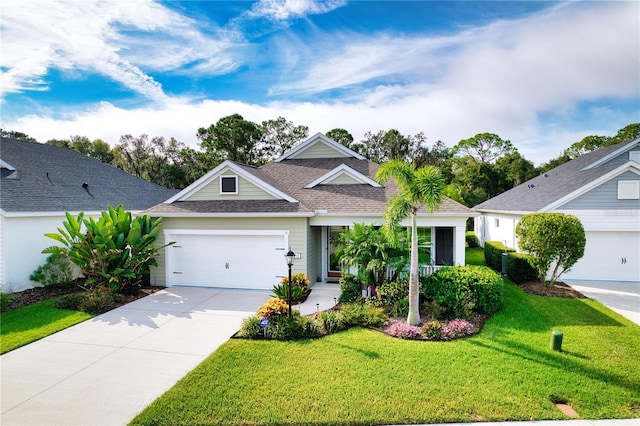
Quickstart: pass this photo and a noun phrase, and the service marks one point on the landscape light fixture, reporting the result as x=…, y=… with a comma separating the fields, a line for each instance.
x=290, y=256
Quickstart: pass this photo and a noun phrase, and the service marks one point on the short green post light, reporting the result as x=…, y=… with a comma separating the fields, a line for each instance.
x=556, y=340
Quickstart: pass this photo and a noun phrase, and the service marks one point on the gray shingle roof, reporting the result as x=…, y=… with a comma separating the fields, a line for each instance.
x=50, y=179
x=541, y=191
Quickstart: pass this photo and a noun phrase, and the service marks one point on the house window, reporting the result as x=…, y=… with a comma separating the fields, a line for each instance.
x=497, y=223
x=628, y=189
x=634, y=156
x=228, y=184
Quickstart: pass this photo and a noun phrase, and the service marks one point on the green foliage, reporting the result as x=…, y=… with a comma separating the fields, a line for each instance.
x=5, y=300
x=332, y=321
x=370, y=251
x=98, y=301
x=389, y=293
x=116, y=250
x=400, y=308
x=483, y=147
x=251, y=328
x=293, y=327
x=471, y=239
x=461, y=290
x=71, y=301
x=555, y=242
x=358, y=314
x=519, y=269
x=493, y=254
x=281, y=291
x=431, y=330
x=351, y=288
x=56, y=270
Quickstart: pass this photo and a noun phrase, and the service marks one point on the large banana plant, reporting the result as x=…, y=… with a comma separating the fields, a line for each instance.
x=115, y=250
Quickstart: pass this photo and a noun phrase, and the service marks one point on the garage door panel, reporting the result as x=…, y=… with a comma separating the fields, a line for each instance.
x=233, y=261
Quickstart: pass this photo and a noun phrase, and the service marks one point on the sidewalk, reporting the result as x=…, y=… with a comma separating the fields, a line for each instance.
x=106, y=370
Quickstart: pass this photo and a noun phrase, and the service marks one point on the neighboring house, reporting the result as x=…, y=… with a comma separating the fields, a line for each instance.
x=233, y=226
x=602, y=189
x=39, y=184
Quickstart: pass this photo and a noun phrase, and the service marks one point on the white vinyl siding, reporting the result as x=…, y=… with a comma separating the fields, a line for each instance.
x=342, y=179
x=319, y=150
x=629, y=189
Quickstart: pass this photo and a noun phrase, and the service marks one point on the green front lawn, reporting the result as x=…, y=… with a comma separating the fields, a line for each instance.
x=25, y=325
x=507, y=372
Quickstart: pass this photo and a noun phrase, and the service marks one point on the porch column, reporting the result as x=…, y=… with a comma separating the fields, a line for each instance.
x=458, y=245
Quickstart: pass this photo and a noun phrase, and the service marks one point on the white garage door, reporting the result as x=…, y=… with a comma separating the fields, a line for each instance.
x=248, y=261
x=610, y=256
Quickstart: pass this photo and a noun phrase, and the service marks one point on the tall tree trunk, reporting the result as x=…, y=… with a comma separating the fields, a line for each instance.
x=414, y=285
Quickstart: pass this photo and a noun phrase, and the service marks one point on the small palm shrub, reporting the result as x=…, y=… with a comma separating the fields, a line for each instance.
x=351, y=288
x=358, y=314
x=332, y=321
x=281, y=291
x=273, y=308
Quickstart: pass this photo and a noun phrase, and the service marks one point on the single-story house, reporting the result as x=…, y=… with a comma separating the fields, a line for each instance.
x=602, y=189
x=39, y=183
x=233, y=226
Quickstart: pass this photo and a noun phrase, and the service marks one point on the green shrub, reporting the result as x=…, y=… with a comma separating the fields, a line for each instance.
x=351, y=288
x=297, y=280
x=71, y=301
x=332, y=321
x=519, y=269
x=281, y=291
x=461, y=290
x=98, y=301
x=273, y=308
x=389, y=293
x=358, y=314
x=493, y=254
x=5, y=300
x=291, y=328
x=251, y=328
x=400, y=308
x=471, y=239
x=56, y=270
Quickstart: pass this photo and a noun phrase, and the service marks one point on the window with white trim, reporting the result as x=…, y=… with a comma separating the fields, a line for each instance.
x=497, y=223
x=628, y=189
x=634, y=156
x=228, y=184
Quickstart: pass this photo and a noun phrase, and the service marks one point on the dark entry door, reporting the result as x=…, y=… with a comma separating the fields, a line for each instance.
x=444, y=246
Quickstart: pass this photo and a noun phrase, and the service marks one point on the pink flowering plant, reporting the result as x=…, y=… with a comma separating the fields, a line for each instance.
x=456, y=328
x=402, y=330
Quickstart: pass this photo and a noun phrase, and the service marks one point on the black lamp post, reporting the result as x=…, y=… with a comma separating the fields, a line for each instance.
x=290, y=256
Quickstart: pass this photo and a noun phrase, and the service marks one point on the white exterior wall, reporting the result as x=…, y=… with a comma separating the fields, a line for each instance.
x=497, y=227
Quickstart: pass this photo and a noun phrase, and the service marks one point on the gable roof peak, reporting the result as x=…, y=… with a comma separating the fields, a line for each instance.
x=340, y=150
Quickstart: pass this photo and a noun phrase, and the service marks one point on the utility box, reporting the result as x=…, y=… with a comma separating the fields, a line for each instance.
x=504, y=263
x=556, y=340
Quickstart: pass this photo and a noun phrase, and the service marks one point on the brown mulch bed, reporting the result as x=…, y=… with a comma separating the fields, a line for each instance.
x=558, y=289
x=40, y=294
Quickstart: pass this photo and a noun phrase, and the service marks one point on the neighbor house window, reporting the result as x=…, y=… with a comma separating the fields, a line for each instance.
x=497, y=223
x=628, y=189
x=228, y=184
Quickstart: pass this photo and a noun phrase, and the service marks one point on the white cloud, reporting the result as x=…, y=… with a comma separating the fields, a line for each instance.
x=285, y=10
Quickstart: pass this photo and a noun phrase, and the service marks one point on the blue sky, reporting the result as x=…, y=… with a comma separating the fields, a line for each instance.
x=541, y=74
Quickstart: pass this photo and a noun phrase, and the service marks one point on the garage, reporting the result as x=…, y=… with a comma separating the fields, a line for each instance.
x=226, y=259
x=613, y=256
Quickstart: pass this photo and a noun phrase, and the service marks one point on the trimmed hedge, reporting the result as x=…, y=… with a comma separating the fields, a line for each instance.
x=471, y=239
x=519, y=270
x=493, y=254
x=461, y=290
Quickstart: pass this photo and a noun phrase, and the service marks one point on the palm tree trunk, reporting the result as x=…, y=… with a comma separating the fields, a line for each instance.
x=414, y=294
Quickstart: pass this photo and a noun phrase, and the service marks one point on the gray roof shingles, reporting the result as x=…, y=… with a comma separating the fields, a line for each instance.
x=50, y=179
x=543, y=190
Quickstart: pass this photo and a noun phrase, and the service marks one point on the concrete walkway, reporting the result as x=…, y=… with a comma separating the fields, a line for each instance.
x=106, y=370
x=621, y=297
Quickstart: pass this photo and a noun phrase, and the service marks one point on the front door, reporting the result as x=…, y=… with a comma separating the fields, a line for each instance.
x=334, y=268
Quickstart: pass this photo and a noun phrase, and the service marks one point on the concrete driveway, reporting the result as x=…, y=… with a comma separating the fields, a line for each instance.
x=621, y=297
x=106, y=370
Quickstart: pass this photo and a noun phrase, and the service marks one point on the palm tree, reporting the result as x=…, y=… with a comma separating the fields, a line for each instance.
x=416, y=188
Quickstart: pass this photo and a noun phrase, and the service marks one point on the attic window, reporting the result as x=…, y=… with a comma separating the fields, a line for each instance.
x=628, y=189
x=229, y=184
x=634, y=156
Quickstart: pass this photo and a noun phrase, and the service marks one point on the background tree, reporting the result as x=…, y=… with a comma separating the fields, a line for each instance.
x=555, y=242
x=278, y=136
x=483, y=147
x=416, y=188
x=234, y=137
x=341, y=136
x=514, y=169
x=13, y=134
